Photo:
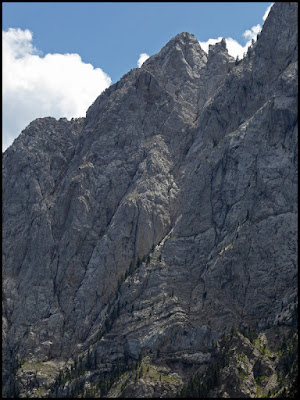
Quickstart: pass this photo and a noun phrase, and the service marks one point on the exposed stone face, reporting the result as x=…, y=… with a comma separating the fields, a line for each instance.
x=189, y=162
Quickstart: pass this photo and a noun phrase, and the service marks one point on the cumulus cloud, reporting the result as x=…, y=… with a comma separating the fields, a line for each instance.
x=252, y=33
x=34, y=86
x=235, y=49
x=142, y=59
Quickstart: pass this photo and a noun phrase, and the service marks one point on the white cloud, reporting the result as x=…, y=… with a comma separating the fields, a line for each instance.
x=18, y=42
x=235, y=49
x=142, y=59
x=252, y=33
x=56, y=85
x=267, y=12
x=233, y=46
x=205, y=45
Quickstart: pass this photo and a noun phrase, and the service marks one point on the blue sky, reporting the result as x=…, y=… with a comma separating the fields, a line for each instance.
x=107, y=39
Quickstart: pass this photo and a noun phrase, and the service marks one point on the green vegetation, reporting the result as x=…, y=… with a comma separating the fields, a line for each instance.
x=250, y=334
x=14, y=366
x=200, y=385
x=287, y=372
x=259, y=379
x=74, y=377
x=242, y=373
x=123, y=372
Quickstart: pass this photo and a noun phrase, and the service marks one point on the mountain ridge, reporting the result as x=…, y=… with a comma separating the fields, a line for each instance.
x=159, y=221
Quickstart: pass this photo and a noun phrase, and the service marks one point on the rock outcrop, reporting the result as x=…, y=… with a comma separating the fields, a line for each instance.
x=141, y=234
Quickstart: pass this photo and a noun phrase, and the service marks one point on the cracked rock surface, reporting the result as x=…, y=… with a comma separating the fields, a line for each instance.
x=171, y=209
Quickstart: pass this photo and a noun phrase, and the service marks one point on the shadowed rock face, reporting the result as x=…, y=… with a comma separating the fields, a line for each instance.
x=185, y=168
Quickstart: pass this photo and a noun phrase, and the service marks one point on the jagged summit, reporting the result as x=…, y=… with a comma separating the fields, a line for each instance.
x=219, y=47
x=181, y=58
x=219, y=62
x=183, y=47
x=218, y=54
x=138, y=236
x=184, y=39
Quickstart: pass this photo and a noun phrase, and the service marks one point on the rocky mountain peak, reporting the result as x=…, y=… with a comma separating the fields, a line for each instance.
x=135, y=238
x=183, y=52
x=218, y=47
x=218, y=53
x=183, y=38
x=182, y=42
x=277, y=45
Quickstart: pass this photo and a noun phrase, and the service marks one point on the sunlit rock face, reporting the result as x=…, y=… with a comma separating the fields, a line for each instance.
x=159, y=221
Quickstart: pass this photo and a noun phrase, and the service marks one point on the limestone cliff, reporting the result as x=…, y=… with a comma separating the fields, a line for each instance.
x=134, y=239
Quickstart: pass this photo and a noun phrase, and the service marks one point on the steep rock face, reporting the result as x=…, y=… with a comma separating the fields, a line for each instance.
x=247, y=365
x=160, y=220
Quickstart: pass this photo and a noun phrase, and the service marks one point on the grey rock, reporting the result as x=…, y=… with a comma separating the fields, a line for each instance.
x=160, y=220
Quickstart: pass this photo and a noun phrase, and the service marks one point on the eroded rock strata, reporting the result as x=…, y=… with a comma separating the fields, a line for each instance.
x=134, y=239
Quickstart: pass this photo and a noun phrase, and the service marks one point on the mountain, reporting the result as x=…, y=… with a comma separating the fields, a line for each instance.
x=150, y=248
